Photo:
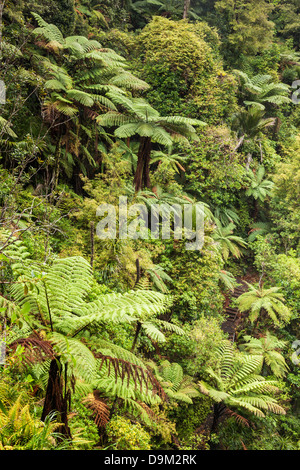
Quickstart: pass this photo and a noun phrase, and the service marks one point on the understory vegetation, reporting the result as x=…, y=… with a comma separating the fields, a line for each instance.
x=126, y=343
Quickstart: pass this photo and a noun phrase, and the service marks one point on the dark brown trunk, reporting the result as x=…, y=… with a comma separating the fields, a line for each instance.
x=138, y=325
x=142, y=178
x=137, y=332
x=92, y=244
x=138, y=271
x=219, y=409
x=56, y=400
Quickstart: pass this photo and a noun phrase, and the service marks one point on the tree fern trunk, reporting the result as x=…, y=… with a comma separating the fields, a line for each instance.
x=141, y=178
x=55, y=399
x=137, y=332
x=138, y=325
x=219, y=409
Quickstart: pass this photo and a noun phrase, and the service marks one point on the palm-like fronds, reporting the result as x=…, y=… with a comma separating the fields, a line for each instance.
x=58, y=299
x=226, y=241
x=259, y=188
x=227, y=279
x=236, y=383
x=178, y=387
x=262, y=91
x=269, y=347
x=168, y=159
x=259, y=229
x=76, y=94
x=137, y=117
x=56, y=303
x=250, y=122
x=269, y=301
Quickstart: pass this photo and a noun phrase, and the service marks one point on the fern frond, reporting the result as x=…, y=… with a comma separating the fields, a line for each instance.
x=99, y=408
x=125, y=370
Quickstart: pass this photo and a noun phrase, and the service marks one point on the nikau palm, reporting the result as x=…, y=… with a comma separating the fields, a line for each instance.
x=139, y=118
x=237, y=383
x=249, y=125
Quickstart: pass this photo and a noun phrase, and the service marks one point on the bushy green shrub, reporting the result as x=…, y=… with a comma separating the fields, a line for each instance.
x=182, y=68
x=124, y=435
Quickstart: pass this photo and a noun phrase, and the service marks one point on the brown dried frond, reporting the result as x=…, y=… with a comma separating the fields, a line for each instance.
x=36, y=348
x=50, y=112
x=239, y=418
x=126, y=370
x=243, y=445
x=148, y=410
x=91, y=114
x=99, y=408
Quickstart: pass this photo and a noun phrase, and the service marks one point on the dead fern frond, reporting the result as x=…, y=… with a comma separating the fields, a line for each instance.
x=239, y=418
x=36, y=349
x=126, y=370
x=99, y=409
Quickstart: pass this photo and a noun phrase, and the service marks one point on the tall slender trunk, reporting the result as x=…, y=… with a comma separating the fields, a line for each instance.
x=92, y=244
x=186, y=8
x=57, y=162
x=142, y=178
x=138, y=324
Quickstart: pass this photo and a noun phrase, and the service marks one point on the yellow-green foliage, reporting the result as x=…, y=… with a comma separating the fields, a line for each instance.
x=196, y=280
x=127, y=436
x=285, y=201
x=183, y=70
x=21, y=430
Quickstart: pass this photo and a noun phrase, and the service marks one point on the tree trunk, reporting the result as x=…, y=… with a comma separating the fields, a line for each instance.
x=142, y=178
x=186, y=8
x=138, y=324
x=56, y=400
x=219, y=409
x=92, y=244
x=137, y=332
x=57, y=162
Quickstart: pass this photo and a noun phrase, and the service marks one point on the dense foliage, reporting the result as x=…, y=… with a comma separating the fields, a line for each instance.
x=123, y=343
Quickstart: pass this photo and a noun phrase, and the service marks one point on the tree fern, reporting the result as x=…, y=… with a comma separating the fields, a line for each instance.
x=56, y=299
x=261, y=91
x=236, y=383
x=79, y=93
x=178, y=387
x=268, y=346
x=259, y=301
x=143, y=120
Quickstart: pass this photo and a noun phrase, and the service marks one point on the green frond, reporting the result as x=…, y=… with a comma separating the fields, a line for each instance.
x=153, y=332
x=128, y=81
x=80, y=359
x=49, y=31
x=80, y=96
x=6, y=128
